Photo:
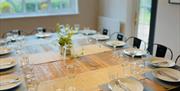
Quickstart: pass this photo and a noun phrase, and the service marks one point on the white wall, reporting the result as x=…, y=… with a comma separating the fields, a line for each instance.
x=122, y=10
x=168, y=26
x=113, y=9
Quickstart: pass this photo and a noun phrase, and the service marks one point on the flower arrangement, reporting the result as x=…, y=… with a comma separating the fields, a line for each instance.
x=65, y=34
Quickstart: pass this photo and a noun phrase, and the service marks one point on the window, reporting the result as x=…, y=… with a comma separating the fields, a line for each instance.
x=33, y=8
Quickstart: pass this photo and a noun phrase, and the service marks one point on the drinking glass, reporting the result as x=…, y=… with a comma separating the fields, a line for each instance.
x=30, y=78
x=71, y=73
x=9, y=37
x=76, y=27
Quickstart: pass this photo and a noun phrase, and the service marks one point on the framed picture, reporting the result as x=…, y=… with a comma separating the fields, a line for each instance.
x=174, y=1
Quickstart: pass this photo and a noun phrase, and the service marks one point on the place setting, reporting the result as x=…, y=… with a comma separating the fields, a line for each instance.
x=43, y=35
x=100, y=37
x=87, y=31
x=3, y=41
x=6, y=63
x=123, y=84
x=116, y=43
x=10, y=81
x=5, y=50
x=164, y=72
x=134, y=52
x=161, y=62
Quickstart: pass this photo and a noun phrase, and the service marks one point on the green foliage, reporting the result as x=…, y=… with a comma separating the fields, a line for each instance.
x=65, y=34
x=5, y=7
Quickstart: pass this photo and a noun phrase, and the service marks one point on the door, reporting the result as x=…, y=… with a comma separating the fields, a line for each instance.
x=143, y=18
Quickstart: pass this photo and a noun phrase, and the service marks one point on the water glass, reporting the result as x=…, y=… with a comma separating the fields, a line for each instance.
x=76, y=27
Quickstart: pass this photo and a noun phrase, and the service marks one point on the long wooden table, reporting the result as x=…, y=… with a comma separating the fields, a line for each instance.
x=91, y=70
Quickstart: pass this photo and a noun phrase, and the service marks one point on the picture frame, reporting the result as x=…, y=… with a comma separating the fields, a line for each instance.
x=174, y=1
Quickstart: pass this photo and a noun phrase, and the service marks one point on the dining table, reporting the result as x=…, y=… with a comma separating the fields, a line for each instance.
x=88, y=72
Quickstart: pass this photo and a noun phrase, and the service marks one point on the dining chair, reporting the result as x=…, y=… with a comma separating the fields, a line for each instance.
x=105, y=31
x=19, y=32
x=178, y=60
x=41, y=29
x=16, y=31
x=137, y=43
x=162, y=51
x=117, y=35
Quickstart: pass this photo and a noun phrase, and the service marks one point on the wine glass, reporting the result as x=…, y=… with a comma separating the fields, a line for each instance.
x=76, y=27
x=72, y=71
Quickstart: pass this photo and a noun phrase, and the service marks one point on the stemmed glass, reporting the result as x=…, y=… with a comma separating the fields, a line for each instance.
x=76, y=27
x=114, y=49
x=27, y=69
x=71, y=74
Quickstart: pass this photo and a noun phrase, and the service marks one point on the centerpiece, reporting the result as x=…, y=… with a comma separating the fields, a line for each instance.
x=65, y=33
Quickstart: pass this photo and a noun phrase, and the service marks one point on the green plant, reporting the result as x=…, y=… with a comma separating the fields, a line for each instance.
x=65, y=34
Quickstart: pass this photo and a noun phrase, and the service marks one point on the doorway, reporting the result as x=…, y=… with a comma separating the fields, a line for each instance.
x=146, y=21
x=143, y=19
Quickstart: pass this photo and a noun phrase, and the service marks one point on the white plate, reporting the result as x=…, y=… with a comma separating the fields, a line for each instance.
x=4, y=50
x=134, y=51
x=115, y=42
x=130, y=84
x=2, y=41
x=9, y=81
x=7, y=63
x=167, y=74
x=43, y=35
x=162, y=62
x=100, y=37
x=88, y=32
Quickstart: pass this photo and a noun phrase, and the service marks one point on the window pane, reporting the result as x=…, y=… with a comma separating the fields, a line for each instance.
x=65, y=3
x=31, y=5
x=55, y=4
x=43, y=5
x=33, y=8
x=60, y=4
x=11, y=6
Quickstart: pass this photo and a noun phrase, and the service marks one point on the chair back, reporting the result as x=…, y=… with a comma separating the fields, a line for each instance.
x=178, y=60
x=138, y=43
x=162, y=51
x=117, y=35
x=120, y=37
x=41, y=29
x=105, y=32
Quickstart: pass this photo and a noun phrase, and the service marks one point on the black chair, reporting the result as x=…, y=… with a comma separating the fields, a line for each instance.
x=177, y=59
x=18, y=32
x=119, y=36
x=137, y=42
x=41, y=29
x=105, y=32
x=161, y=50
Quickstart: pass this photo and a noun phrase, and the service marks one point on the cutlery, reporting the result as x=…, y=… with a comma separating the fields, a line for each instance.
x=121, y=85
x=168, y=75
x=161, y=63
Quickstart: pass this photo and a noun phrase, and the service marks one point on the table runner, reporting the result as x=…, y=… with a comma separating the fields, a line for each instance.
x=91, y=49
x=46, y=57
x=88, y=80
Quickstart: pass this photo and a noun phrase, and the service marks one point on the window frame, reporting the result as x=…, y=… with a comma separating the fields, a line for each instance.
x=73, y=11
